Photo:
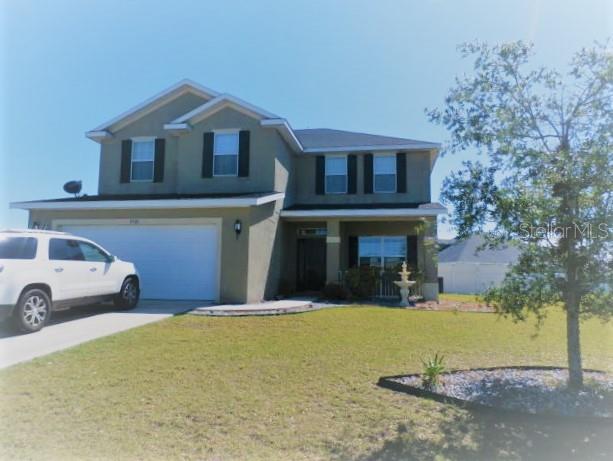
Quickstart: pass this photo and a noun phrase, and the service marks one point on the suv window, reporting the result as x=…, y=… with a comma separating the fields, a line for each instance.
x=18, y=247
x=93, y=253
x=65, y=250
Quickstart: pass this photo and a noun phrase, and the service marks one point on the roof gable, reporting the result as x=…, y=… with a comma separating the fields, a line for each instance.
x=220, y=102
x=106, y=129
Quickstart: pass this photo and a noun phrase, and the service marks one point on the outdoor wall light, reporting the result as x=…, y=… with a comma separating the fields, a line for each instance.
x=238, y=227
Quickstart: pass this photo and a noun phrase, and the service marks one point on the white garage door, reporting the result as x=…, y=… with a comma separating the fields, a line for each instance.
x=174, y=261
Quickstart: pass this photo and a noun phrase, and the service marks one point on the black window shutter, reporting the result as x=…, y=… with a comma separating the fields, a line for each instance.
x=158, y=165
x=368, y=173
x=353, y=251
x=320, y=172
x=243, y=153
x=352, y=171
x=401, y=172
x=126, y=160
x=207, y=154
x=412, y=250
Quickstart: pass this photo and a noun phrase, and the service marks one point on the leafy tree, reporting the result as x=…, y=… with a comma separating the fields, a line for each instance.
x=548, y=181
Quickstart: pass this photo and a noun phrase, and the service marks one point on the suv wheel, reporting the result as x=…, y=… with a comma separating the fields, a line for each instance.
x=32, y=310
x=127, y=298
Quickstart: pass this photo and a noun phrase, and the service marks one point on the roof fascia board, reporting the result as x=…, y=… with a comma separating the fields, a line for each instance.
x=239, y=202
x=363, y=213
x=220, y=102
x=153, y=103
x=99, y=136
x=367, y=148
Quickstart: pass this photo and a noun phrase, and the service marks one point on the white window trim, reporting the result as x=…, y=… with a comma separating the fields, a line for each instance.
x=226, y=131
x=374, y=175
x=326, y=174
x=142, y=139
x=381, y=256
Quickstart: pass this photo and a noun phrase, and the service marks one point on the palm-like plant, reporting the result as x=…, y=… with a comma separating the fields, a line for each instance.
x=433, y=368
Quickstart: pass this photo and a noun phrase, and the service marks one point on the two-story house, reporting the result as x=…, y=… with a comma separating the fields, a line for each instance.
x=214, y=198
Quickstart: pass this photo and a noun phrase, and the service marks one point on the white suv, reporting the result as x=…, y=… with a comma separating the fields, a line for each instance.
x=44, y=271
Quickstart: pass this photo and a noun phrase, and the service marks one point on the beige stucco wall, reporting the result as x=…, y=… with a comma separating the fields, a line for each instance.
x=265, y=149
x=270, y=157
x=149, y=125
x=418, y=182
x=264, y=254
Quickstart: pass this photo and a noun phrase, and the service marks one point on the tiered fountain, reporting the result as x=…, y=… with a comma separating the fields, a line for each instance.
x=404, y=284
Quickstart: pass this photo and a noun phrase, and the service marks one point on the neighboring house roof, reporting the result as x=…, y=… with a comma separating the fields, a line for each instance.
x=327, y=139
x=305, y=141
x=445, y=243
x=467, y=250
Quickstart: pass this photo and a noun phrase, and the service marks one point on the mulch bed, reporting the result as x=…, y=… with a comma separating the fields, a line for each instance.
x=537, y=391
x=456, y=306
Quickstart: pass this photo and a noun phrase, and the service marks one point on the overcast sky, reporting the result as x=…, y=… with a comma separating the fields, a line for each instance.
x=67, y=66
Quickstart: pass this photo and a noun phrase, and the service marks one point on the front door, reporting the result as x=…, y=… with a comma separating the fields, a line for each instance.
x=311, y=264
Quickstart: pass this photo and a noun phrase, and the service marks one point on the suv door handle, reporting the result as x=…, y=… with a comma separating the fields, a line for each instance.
x=92, y=269
x=59, y=269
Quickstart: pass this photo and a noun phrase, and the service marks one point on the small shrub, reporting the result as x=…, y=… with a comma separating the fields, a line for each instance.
x=335, y=292
x=362, y=281
x=433, y=368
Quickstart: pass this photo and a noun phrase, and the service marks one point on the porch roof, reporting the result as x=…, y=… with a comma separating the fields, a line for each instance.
x=371, y=210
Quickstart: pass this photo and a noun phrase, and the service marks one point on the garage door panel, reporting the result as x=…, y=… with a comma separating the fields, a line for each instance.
x=174, y=261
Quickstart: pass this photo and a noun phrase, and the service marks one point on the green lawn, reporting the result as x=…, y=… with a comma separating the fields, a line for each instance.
x=289, y=387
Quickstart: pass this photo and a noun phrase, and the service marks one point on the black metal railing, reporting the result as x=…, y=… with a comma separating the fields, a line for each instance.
x=385, y=288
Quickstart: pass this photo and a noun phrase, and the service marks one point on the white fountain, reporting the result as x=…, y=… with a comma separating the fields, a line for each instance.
x=404, y=284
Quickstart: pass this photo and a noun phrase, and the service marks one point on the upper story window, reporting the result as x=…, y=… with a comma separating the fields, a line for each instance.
x=225, y=154
x=143, y=155
x=336, y=174
x=385, y=173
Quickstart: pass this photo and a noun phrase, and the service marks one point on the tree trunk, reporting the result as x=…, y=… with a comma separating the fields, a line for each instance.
x=573, y=346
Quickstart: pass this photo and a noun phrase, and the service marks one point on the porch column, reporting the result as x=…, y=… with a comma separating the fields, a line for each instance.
x=333, y=250
x=430, y=261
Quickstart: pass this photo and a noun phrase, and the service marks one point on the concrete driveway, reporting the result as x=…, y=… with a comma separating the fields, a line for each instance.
x=82, y=324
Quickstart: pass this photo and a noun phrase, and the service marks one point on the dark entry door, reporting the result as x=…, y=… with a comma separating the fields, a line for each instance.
x=311, y=264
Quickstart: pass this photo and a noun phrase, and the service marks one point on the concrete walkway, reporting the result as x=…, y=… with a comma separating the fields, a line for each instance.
x=79, y=325
x=285, y=306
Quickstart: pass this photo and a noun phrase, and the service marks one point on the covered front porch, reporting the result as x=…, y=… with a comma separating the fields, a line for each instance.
x=320, y=251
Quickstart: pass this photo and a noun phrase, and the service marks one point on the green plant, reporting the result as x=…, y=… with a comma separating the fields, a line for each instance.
x=433, y=368
x=362, y=281
x=335, y=292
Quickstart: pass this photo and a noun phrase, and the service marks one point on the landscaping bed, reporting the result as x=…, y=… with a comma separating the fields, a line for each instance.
x=531, y=390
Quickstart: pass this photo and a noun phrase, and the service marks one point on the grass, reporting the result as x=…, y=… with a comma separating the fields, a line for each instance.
x=287, y=387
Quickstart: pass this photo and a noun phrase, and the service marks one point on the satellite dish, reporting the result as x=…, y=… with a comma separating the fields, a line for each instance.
x=73, y=187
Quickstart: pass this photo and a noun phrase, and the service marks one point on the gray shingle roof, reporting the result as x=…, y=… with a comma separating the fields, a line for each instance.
x=314, y=138
x=466, y=251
